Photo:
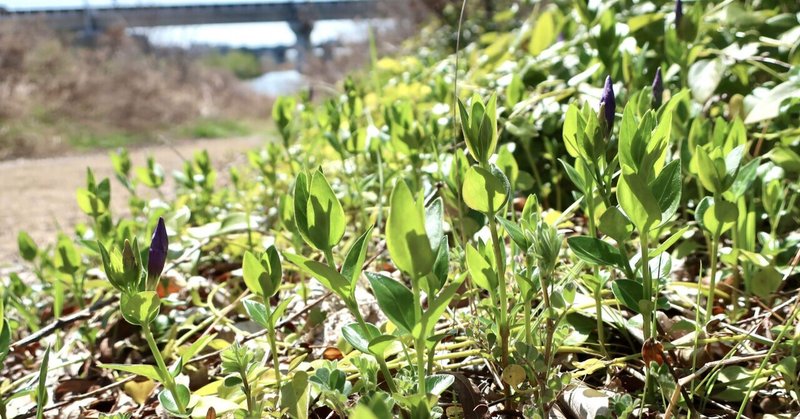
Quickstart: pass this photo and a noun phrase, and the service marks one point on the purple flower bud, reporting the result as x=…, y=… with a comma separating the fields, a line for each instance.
x=678, y=12
x=658, y=89
x=608, y=104
x=158, y=252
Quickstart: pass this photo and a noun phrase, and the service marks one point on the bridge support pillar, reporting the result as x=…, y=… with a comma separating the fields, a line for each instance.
x=302, y=30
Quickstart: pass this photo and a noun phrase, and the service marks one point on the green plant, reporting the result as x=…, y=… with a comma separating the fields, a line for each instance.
x=140, y=304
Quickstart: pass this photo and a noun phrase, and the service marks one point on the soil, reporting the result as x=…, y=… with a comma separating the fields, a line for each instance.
x=38, y=196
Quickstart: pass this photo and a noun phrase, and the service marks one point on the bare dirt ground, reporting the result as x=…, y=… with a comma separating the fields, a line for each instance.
x=38, y=196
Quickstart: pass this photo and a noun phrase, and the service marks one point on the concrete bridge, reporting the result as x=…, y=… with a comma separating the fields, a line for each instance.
x=299, y=15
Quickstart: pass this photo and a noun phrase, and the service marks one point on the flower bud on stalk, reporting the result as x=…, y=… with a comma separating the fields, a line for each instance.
x=658, y=89
x=157, y=255
x=608, y=105
x=678, y=12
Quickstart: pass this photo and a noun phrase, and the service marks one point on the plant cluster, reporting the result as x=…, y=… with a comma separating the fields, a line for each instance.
x=606, y=228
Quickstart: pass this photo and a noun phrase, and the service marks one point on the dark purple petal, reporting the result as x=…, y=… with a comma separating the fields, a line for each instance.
x=609, y=104
x=658, y=89
x=158, y=250
x=678, y=12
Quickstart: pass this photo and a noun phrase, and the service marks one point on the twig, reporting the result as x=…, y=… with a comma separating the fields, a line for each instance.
x=722, y=362
x=73, y=399
x=260, y=333
x=62, y=322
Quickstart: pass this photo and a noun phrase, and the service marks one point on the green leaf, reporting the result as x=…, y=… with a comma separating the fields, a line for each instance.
x=481, y=269
x=733, y=383
x=176, y=368
x=785, y=158
x=595, y=251
x=575, y=176
x=140, y=308
x=570, y=130
x=544, y=34
x=744, y=178
x=710, y=171
x=485, y=191
x=41, y=387
x=277, y=313
x=704, y=77
x=406, y=235
x=765, y=282
x=300, y=201
x=168, y=400
x=768, y=106
x=441, y=267
x=327, y=276
x=638, y=202
x=148, y=371
x=380, y=344
x=294, y=396
x=262, y=275
x=197, y=346
x=434, y=222
x=437, y=383
x=257, y=312
x=359, y=338
x=667, y=189
x=5, y=340
x=351, y=268
x=395, y=300
x=716, y=217
x=670, y=241
x=324, y=214
x=27, y=247
x=515, y=232
x=616, y=225
x=629, y=292
x=436, y=307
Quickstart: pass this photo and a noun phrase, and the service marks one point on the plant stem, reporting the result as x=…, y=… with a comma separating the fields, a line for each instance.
x=273, y=346
x=501, y=279
x=329, y=258
x=169, y=382
x=549, y=332
x=598, y=290
x=647, y=284
x=419, y=344
x=712, y=280
x=387, y=375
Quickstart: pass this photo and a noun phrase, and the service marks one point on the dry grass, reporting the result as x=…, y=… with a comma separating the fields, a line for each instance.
x=54, y=94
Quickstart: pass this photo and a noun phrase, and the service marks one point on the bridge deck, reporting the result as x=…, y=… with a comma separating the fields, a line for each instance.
x=77, y=19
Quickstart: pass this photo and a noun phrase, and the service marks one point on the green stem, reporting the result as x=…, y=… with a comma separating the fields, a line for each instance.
x=419, y=344
x=501, y=277
x=329, y=258
x=169, y=382
x=598, y=290
x=647, y=283
x=528, y=331
x=712, y=280
x=387, y=375
x=273, y=346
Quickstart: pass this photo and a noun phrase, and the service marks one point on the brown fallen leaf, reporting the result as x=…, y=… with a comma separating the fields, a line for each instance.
x=473, y=406
x=139, y=391
x=332, y=354
x=652, y=352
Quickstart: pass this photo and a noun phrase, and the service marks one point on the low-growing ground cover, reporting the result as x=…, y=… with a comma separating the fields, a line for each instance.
x=589, y=211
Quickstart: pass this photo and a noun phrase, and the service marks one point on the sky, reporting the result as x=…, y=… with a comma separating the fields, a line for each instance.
x=235, y=35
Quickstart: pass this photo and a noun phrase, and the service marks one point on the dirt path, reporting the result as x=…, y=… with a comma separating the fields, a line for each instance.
x=38, y=196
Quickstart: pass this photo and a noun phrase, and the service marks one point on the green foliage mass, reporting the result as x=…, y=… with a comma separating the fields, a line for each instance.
x=514, y=251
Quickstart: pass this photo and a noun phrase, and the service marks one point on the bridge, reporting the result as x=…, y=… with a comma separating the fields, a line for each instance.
x=299, y=15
